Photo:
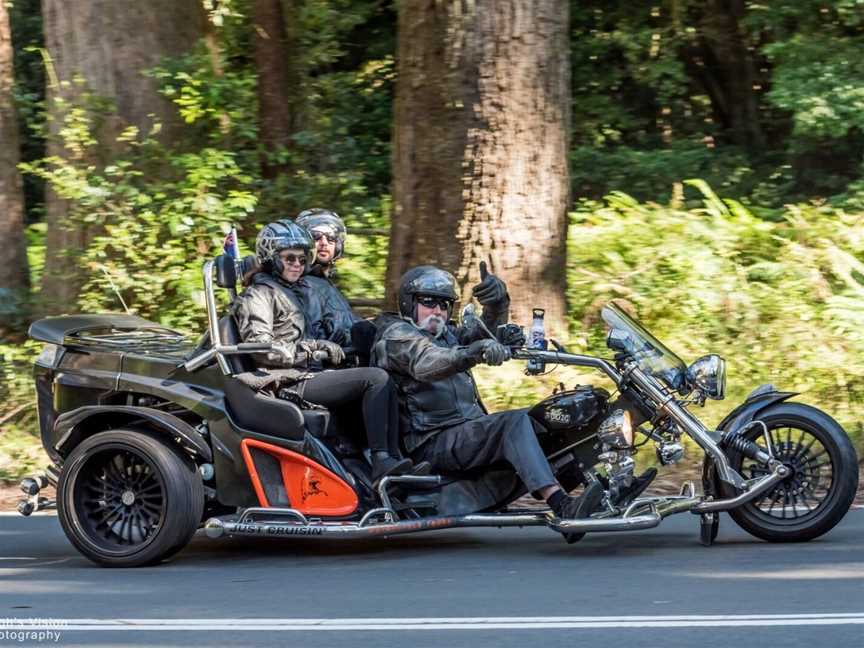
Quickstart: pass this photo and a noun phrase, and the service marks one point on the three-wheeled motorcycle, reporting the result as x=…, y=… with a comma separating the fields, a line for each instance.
x=152, y=435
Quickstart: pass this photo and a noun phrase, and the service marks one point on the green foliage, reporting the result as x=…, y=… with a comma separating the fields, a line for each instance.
x=780, y=300
x=19, y=452
x=149, y=231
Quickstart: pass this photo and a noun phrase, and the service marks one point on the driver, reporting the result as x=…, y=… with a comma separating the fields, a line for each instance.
x=268, y=312
x=430, y=361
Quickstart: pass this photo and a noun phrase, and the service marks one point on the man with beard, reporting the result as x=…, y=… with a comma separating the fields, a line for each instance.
x=443, y=421
x=328, y=231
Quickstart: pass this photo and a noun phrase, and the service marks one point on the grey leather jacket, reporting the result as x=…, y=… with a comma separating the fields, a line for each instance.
x=432, y=375
x=268, y=311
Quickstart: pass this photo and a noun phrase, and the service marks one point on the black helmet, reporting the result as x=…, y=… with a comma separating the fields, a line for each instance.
x=424, y=280
x=278, y=236
x=317, y=219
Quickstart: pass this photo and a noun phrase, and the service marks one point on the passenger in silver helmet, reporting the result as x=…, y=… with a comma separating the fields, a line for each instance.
x=328, y=231
x=268, y=311
x=444, y=423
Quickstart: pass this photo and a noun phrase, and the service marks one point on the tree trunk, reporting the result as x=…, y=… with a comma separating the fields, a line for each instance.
x=274, y=37
x=723, y=63
x=14, y=274
x=110, y=44
x=482, y=121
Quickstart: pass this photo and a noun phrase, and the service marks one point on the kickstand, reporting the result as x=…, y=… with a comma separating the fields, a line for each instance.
x=709, y=525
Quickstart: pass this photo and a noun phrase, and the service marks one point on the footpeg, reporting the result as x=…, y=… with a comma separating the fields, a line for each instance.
x=27, y=507
x=31, y=487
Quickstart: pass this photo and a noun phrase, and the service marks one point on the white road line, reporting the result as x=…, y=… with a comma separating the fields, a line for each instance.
x=433, y=623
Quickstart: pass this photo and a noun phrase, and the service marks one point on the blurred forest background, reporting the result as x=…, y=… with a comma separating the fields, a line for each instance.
x=700, y=160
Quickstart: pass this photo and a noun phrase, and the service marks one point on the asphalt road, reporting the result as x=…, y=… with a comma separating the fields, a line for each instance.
x=485, y=587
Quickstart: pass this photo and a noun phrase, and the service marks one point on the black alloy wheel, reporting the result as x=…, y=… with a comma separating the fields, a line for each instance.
x=822, y=482
x=125, y=498
x=121, y=498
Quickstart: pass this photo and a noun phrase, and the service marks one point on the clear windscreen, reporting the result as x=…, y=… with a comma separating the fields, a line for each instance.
x=651, y=355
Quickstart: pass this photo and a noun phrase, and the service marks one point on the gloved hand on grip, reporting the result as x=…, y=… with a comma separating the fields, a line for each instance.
x=511, y=336
x=491, y=290
x=489, y=352
x=335, y=354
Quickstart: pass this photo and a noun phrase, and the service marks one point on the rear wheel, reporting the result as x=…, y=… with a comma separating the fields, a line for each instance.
x=822, y=483
x=125, y=498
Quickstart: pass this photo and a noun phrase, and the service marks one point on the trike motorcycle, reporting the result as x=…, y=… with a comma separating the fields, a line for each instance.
x=152, y=436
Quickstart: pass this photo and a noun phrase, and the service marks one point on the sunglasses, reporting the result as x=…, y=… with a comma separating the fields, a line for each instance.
x=291, y=259
x=431, y=302
x=331, y=238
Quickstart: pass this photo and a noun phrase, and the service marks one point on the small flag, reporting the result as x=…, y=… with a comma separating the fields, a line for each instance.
x=230, y=246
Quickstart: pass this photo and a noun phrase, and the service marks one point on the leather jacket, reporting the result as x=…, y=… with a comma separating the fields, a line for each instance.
x=432, y=375
x=337, y=318
x=268, y=311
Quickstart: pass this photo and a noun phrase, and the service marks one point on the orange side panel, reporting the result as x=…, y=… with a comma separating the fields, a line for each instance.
x=312, y=489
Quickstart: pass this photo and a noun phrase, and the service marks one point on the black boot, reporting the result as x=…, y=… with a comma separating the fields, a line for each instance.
x=635, y=489
x=577, y=508
x=384, y=465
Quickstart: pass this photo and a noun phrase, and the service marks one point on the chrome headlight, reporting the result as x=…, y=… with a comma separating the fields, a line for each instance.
x=708, y=375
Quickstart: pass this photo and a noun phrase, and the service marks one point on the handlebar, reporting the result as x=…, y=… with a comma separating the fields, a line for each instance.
x=574, y=359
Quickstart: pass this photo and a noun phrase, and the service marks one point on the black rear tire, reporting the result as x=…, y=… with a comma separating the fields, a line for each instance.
x=125, y=498
x=823, y=482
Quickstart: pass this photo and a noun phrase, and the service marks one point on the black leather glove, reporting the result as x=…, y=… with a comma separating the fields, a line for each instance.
x=338, y=335
x=335, y=354
x=511, y=335
x=489, y=352
x=490, y=290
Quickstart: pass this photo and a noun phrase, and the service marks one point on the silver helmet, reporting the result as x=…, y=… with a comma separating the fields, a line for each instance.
x=325, y=221
x=278, y=236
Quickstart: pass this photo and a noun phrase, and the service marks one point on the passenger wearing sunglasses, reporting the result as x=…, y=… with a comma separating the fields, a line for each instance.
x=328, y=231
x=444, y=423
x=269, y=311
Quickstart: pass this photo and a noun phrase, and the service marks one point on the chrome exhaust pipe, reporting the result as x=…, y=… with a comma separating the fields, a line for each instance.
x=593, y=525
x=218, y=527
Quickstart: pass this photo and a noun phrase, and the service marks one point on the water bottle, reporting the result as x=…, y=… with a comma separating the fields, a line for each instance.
x=537, y=340
x=538, y=330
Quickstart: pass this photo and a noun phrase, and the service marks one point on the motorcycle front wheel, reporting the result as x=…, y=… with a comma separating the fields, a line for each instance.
x=823, y=480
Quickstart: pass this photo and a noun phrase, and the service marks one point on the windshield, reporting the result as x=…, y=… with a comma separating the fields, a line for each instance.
x=652, y=357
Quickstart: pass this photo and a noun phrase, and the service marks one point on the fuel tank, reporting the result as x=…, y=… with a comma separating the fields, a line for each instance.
x=569, y=417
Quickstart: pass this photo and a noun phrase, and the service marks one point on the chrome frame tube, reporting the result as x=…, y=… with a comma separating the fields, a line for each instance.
x=212, y=319
x=295, y=523
x=217, y=527
x=691, y=425
x=573, y=359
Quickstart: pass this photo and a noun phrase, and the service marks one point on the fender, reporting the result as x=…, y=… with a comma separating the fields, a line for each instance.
x=757, y=400
x=74, y=426
x=760, y=399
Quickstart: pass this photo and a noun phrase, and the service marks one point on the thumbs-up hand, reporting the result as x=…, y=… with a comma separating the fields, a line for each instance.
x=490, y=290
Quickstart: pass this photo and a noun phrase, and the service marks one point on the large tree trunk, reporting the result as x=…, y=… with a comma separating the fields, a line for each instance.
x=14, y=275
x=278, y=80
x=110, y=44
x=480, y=146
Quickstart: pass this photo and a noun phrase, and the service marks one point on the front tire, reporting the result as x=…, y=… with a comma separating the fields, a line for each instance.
x=126, y=499
x=823, y=483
